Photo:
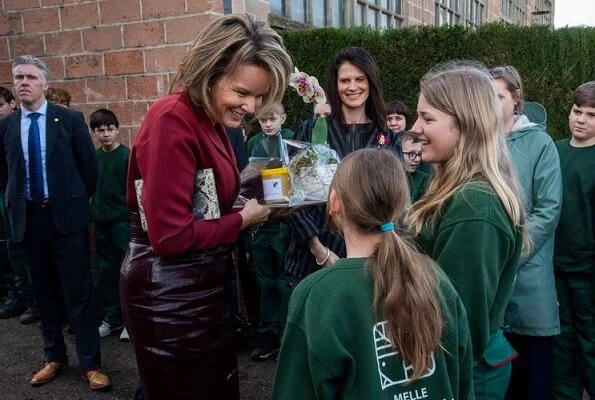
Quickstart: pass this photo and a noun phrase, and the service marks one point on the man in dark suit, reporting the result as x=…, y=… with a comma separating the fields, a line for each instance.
x=51, y=170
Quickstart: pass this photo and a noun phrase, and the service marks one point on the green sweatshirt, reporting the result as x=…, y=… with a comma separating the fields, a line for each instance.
x=475, y=243
x=109, y=202
x=333, y=348
x=574, y=250
x=418, y=182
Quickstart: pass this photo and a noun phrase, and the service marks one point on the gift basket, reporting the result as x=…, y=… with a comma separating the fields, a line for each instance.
x=287, y=173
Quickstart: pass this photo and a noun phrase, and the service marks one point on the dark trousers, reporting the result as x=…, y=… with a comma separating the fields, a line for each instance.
x=13, y=258
x=111, y=242
x=574, y=347
x=268, y=256
x=61, y=274
x=531, y=377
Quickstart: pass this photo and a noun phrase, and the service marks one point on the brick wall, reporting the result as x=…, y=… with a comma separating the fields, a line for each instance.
x=494, y=12
x=420, y=12
x=118, y=54
x=423, y=12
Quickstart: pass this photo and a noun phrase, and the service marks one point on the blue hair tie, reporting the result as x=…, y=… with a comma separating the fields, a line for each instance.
x=389, y=226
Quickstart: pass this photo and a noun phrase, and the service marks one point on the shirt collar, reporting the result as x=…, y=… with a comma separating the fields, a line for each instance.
x=41, y=110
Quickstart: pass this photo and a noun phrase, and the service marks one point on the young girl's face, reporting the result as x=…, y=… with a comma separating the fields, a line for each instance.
x=437, y=132
x=396, y=122
x=507, y=99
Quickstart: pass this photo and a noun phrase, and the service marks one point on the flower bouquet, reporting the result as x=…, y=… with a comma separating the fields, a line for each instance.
x=310, y=169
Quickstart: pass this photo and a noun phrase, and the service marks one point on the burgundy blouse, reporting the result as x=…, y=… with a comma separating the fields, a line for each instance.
x=175, y=140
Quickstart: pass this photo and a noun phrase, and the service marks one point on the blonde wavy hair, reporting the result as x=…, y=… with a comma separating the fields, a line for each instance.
x=465, y=91
x=224, y=45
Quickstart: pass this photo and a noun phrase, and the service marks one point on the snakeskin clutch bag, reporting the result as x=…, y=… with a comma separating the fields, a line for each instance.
x=205, y=204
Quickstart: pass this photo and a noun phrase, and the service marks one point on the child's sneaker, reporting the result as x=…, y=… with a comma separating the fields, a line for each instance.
x=106, y=329
x=266, y=350
x=124, y=336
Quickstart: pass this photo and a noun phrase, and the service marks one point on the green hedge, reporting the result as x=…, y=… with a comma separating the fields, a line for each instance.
x=552, y=62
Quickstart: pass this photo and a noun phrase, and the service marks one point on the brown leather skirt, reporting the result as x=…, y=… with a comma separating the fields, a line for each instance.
x=178, y=313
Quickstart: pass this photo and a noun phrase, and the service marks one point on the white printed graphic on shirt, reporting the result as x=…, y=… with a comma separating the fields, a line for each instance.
x=392, y=370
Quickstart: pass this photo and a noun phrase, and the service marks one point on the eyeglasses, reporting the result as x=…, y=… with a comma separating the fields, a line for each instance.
x=412, y=155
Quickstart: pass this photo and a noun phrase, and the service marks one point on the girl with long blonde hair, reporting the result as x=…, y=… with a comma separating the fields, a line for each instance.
x=384, y=322
x=470, y=220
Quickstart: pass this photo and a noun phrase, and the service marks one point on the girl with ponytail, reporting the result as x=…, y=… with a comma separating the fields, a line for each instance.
x=383, y=323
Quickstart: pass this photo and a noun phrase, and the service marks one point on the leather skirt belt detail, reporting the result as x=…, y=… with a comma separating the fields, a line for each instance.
x=178, y=313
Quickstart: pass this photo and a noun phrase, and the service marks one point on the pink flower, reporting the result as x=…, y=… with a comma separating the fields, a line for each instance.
x=307, y=87
x=381, y=139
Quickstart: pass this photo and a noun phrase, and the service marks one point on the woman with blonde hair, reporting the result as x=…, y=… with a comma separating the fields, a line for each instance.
x=470, y=219
x=182, y=178
x=384, y=322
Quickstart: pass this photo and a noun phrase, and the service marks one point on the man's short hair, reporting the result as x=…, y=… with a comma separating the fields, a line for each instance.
x=32, y=60
x=6, y=94
x=103, y=116
x=584, y=95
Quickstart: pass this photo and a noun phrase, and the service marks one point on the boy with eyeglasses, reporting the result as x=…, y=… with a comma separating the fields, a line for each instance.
x=418, y=180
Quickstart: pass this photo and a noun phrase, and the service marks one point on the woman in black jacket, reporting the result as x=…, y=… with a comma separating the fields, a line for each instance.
x=358, y=117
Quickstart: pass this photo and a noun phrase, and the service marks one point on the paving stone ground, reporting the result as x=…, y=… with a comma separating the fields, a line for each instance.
x=21, y=353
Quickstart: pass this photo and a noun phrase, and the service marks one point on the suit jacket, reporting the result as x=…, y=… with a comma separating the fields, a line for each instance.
x=236, y=138
x=71, y=170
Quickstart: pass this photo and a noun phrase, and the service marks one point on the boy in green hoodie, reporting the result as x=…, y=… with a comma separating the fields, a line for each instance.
x=269, y=243
x=574, y=253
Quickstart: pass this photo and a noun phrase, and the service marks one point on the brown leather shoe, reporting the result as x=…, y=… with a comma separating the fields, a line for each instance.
x=98, y=380
x=49, y=371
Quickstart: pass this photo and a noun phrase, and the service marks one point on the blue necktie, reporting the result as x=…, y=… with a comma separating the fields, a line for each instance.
x=35, y=163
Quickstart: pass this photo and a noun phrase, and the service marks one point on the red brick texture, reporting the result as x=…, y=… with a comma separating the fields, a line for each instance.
x=100, y=38
x=41, y=20
x=124, y=62
x=117, y=54
x=11, y=24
